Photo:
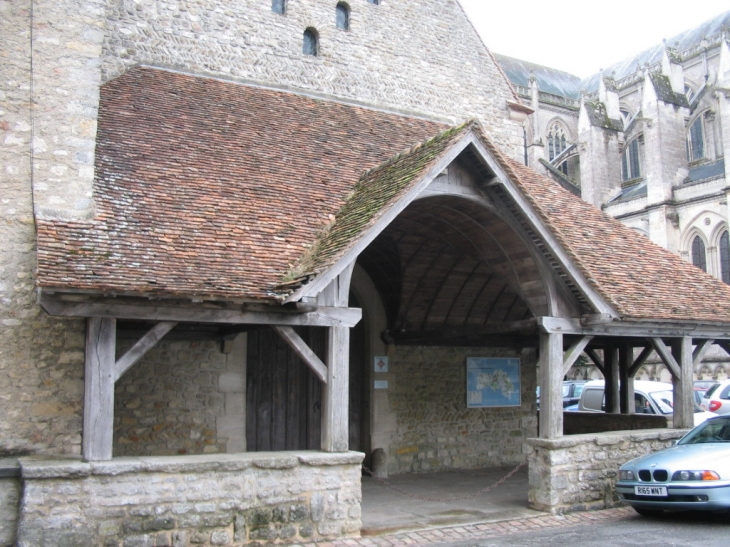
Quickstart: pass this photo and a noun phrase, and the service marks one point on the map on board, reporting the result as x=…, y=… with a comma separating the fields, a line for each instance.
x=492, y=382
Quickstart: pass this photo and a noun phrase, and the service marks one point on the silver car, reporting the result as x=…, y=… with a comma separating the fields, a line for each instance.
x=694, y=474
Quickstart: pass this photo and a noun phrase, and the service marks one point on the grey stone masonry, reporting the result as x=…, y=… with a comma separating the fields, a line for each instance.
x=272, y=497
x=420, y=57
x=578, y=472
x=435, y=429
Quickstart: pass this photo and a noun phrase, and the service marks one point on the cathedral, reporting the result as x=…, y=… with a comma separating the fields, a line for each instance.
x=646, y=141
x=245, y=246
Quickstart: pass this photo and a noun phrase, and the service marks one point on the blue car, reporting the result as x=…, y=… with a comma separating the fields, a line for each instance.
x=694, y=474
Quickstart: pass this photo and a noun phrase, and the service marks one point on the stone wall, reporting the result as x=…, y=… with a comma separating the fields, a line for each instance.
x=177, y=501
x=579, y=472
x=434, y=428
x=422, y=57
x=175, y=400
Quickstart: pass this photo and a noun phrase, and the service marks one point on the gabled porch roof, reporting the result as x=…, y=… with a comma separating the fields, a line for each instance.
x=214, y=190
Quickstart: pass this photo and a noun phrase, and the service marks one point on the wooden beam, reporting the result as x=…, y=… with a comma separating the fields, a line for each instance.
x=97, y=436
x=636, y=329
x=640, y=360
x=626, y=381
x=683, y=396
x=703, y=346
x=324, y=316
x=600, y=365
x=143, y=345
x=574, y=351
x=301, y=348
x=612, y=375
x=665, y=355
x=336, y=392
x=551, y=386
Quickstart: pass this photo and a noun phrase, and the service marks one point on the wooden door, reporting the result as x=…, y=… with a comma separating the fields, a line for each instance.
x=284, y=398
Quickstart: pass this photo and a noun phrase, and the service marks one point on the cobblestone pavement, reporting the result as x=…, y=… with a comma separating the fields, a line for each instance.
x=472, y=532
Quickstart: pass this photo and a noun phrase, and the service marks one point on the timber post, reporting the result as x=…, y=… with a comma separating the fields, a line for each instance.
x=551, y=385
x=336, y=392
x=99, y=380
x=682, y=382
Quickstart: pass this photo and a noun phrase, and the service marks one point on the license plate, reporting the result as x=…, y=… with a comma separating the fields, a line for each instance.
x=650, y=491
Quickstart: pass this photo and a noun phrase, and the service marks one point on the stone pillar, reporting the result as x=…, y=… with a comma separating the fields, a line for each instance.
x=551, y=386
x=232, y=383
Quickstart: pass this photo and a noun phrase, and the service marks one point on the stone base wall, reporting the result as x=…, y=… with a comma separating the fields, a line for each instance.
x=578, y=473
x=182, y=501
x=9, y=501
x=434, y=428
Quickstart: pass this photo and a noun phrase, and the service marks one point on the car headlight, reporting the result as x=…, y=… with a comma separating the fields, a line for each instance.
x=626, y=475
x=705, y=475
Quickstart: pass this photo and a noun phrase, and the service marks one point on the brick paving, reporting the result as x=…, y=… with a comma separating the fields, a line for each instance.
x=471, y=532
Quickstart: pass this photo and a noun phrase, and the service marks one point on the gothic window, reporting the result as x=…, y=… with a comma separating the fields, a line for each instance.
x=625, y=117
x=557, y=143
x=342, y=13
x=310, y=45
x=725, y=257
x=699, y=256
x=630, y=165
x=278, y=6
x=696, y=140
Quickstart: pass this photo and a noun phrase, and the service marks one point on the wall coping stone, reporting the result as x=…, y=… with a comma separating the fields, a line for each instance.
x=9, y=467
x=609, y=437
x=37, y=467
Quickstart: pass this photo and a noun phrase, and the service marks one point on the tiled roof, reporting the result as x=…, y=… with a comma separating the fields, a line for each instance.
x=376, y=191
x=549, y=80
x=637, y=278
x=213, y=189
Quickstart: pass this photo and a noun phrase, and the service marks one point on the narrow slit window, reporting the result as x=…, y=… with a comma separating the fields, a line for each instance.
x=311, y=43
x=278, y=6
x=342, y=13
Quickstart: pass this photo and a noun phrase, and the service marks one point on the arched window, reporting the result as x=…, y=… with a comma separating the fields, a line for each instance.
x=725, y=257
x=278, y=6
x=342, y=13
x=696, y=140
x=630, y=164
x=310, y=45
x=557, y=142
x=699, y=256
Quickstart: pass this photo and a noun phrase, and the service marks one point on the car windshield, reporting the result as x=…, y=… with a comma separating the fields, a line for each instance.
x=664, y=400
x=578, y=390
x=712, y=390
x=712, y=431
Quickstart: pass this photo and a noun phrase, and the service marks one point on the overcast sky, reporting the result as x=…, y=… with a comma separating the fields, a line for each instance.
x=580, y=37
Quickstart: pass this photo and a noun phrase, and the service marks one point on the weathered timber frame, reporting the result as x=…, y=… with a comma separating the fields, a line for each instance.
x=102, y=369
x=681, y=347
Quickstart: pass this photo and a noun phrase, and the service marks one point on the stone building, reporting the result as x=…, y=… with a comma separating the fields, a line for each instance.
x=646, y=140
x=244, y=246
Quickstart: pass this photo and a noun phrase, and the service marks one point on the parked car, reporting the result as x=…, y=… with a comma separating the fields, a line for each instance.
x=571, y=392
x=649, y=398
x=717, y=398
x=694, y=474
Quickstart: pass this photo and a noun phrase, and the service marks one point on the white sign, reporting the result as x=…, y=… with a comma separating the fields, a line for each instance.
x=381, y=363
x=381, y=384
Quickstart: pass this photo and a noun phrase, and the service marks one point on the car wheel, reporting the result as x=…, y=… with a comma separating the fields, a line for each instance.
x=649, y=512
